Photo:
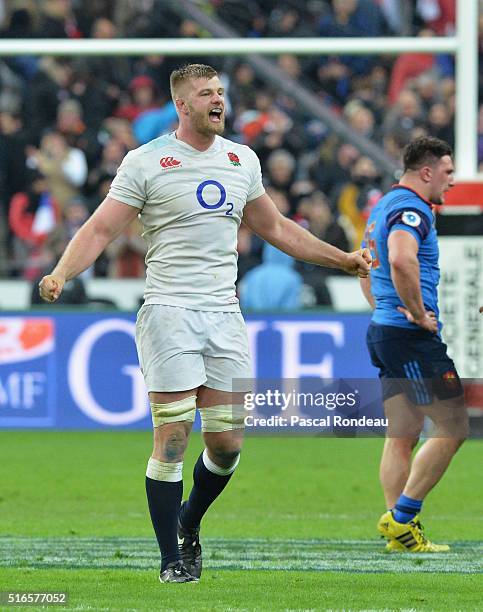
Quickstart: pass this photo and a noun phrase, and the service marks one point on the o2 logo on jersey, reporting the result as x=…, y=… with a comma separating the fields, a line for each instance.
x=411, y=218
x=221, y=195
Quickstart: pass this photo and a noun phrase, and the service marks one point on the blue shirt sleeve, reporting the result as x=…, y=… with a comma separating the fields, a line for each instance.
x=411, y=220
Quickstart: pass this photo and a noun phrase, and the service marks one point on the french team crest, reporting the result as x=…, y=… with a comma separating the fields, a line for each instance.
x=234, y=159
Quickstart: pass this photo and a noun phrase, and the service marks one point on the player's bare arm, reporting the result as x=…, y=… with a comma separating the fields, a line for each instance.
x=366, y=290
x=107, y=222
x=262, y=216
x=403, y=258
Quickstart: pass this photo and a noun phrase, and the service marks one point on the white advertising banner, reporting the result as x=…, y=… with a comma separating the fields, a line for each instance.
x=460, y=296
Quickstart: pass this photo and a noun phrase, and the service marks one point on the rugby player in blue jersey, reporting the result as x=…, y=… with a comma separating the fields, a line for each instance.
x=418, y=378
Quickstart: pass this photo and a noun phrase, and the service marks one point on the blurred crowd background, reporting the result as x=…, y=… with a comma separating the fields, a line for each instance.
x=67, y=122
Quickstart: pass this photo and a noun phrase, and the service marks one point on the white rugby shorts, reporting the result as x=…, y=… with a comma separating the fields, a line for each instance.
x=181, y=349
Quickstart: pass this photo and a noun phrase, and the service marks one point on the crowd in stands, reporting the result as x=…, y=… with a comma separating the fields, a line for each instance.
x=67, y=122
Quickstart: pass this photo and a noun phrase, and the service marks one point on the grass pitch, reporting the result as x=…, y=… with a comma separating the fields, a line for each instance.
x=295, y=529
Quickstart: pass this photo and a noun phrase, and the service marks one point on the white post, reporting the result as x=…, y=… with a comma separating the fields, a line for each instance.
x=226, y=46
x=466, y=121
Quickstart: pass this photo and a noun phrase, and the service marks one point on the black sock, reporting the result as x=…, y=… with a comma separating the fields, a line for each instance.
x=164, y=500
x=206, y=488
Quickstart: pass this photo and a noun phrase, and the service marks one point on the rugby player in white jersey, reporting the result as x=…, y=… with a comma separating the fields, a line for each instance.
x=191, y=189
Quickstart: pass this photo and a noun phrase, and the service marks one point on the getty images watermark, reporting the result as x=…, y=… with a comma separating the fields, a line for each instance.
x=297, y=403
x=311, y=407
x=346, y=407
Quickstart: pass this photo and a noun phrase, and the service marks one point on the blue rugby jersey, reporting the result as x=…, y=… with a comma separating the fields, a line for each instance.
x=401, y=209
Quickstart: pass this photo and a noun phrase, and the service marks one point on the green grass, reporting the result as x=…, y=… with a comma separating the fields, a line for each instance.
x=73, y=517
x=254, y=590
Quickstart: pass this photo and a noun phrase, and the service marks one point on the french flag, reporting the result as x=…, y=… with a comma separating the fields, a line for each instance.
x=45, y=217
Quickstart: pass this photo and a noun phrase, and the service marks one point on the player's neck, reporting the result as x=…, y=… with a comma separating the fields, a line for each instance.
x=416, y=185
x=198, y=141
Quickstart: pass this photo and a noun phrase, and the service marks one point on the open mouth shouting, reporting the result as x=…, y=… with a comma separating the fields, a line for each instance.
x=216, y=115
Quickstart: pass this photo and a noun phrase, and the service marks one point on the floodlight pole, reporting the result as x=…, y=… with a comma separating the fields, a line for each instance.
x=466, y=119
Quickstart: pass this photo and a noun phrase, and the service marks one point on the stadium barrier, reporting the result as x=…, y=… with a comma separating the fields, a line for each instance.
x=80, y=371
x=69, y=370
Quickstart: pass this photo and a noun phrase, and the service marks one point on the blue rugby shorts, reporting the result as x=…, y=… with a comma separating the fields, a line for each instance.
x=414, y=362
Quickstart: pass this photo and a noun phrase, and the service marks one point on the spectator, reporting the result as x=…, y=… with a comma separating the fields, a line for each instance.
x=405, y=115
x=70, y=123
x=249, y=251
x=426, y=87
x=111, y=74
x=361, y=120
x=33, y=214
x=112, y=156
x=152, y=123
x=243, y=88
x=120, y=129
x=64, y=167
x=13, y=170
x=49, y=85
x=314, y=213
x=291, y=65
x=22, y=23
x=440, y=123
x=142, y=90
x=94, y=17
x=357, y=198
x=315, y=209
x=273, y=285
x=281, y=167
x=438, y=15
x=94, y=91
x=127, y=252
x=408, y=66
x=79, y=98
x=354, y=18
x=57, y=19
x=287, y=21
x=329, y=174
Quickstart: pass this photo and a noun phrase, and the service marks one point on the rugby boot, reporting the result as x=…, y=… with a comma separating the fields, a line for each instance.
x=190, y=548
x=176, y=572
x=406, y=537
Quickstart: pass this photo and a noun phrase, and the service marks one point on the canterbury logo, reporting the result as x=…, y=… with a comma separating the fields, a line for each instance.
x=169, y=162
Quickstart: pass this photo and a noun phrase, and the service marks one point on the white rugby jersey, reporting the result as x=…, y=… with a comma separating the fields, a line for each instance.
x=191, y=204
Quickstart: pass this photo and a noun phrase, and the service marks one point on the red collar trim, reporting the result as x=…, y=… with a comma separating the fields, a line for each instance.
x=398, y=186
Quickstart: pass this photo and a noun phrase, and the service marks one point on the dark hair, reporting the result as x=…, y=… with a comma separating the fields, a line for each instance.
x=190, y=71
x=424, y=151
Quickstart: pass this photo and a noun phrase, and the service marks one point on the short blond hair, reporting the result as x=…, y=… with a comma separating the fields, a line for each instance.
x=186, y=73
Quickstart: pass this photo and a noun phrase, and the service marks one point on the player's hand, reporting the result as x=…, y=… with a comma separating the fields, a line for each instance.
x=429, y=322
x=359, y=263
x=50, y=287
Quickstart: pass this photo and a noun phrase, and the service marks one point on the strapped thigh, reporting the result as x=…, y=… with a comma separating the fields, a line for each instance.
x=181, y=410
x=226, y=417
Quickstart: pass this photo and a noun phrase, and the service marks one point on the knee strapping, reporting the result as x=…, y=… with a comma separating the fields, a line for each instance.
x=181, y=410
x=167, y=472
x=216, y=419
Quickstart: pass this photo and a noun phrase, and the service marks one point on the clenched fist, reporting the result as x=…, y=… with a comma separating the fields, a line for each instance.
x=50, y=287
x=359, y=263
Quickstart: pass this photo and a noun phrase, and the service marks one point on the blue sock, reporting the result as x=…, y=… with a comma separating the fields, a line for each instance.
x=406, y=508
